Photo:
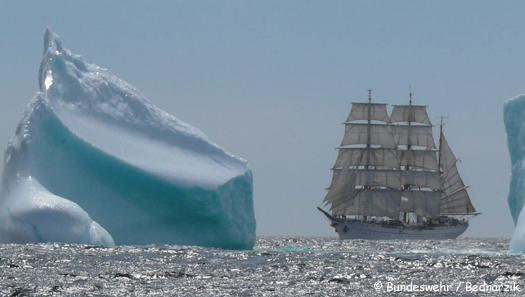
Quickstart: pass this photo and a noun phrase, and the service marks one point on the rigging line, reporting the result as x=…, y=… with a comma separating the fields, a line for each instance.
x=463, y=188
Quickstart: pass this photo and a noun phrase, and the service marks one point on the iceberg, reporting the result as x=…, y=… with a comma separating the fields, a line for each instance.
x=94, y=162
x=514, y=118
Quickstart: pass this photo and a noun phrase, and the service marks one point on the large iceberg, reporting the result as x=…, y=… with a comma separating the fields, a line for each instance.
x=514, y=117
x=94, y=162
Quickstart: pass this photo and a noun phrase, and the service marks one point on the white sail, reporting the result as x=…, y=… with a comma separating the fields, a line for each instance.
x=380, y=134
x=455, y=197
x=422, y=159
x=366, y=111
x=394, y=179
x=410, y=113
x=451, y=179
x=421, y=179
x=379, y=157
x=422, y=203
x=367, y=202
x=414, y=135
x=457, y=202
x=338, y=181
x=342, y=187
x=379, y=178
x=373, y=178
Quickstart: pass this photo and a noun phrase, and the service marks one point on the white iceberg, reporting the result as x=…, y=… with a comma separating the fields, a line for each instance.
x=92, y=147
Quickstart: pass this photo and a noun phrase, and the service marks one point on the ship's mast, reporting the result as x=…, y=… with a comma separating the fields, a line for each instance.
x=409, y=118
x=368, y=142
x=369, y=121
x=407, y=168
x=440, y=144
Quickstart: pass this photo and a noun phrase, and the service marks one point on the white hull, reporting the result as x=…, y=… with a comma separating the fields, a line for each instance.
x=354, y=229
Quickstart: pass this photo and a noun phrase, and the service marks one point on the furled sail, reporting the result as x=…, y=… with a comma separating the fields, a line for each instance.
x=455, y=198
x=366, y=111
x=414, y=135
x=410, y=113
x=373, y=134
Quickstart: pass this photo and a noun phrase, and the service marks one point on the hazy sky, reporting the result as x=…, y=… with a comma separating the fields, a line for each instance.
x=272, y=81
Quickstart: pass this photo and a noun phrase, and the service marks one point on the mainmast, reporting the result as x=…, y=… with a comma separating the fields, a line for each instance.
x=410, y=116
x=418, y=161
x=369, y=127
x=369, y=122
x=406, y=187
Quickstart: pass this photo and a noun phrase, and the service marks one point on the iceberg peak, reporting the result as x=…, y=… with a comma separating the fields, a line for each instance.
x=52, y=41
x=52, y=47
x=58, y=61
x=92, y=144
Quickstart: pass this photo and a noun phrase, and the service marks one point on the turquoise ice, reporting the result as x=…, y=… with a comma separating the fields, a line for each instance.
x=93, y=161
x=514, y=117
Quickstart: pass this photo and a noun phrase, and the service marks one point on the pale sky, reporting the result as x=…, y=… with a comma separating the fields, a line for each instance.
x=272, y=81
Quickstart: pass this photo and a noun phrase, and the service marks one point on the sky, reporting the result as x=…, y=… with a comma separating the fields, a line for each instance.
x=272, y=81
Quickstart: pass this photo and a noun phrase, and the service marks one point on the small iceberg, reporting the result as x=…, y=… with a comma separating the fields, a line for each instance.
x=514, y=118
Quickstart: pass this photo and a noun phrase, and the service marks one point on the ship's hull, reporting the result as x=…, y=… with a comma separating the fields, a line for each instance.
x=354, y=229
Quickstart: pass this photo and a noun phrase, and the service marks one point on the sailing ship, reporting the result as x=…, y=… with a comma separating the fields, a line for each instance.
x=390, y=181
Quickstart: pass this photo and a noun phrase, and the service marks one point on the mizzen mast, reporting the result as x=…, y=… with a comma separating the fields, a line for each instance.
x=455, y=199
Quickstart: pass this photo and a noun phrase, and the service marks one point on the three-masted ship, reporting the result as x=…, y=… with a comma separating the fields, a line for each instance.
x=390, y=181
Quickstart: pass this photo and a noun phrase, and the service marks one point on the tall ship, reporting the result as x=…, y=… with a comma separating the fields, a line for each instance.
x=390, y=181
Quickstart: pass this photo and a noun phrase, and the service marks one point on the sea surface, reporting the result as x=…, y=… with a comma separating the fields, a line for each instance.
x=277, y=266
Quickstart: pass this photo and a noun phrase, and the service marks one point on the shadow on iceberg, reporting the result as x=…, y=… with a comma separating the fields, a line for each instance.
x=99, y=148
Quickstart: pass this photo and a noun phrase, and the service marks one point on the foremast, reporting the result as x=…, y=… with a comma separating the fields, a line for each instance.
x=366, y=178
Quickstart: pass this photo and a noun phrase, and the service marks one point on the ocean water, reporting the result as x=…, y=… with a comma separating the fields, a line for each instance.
x=277, y=266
